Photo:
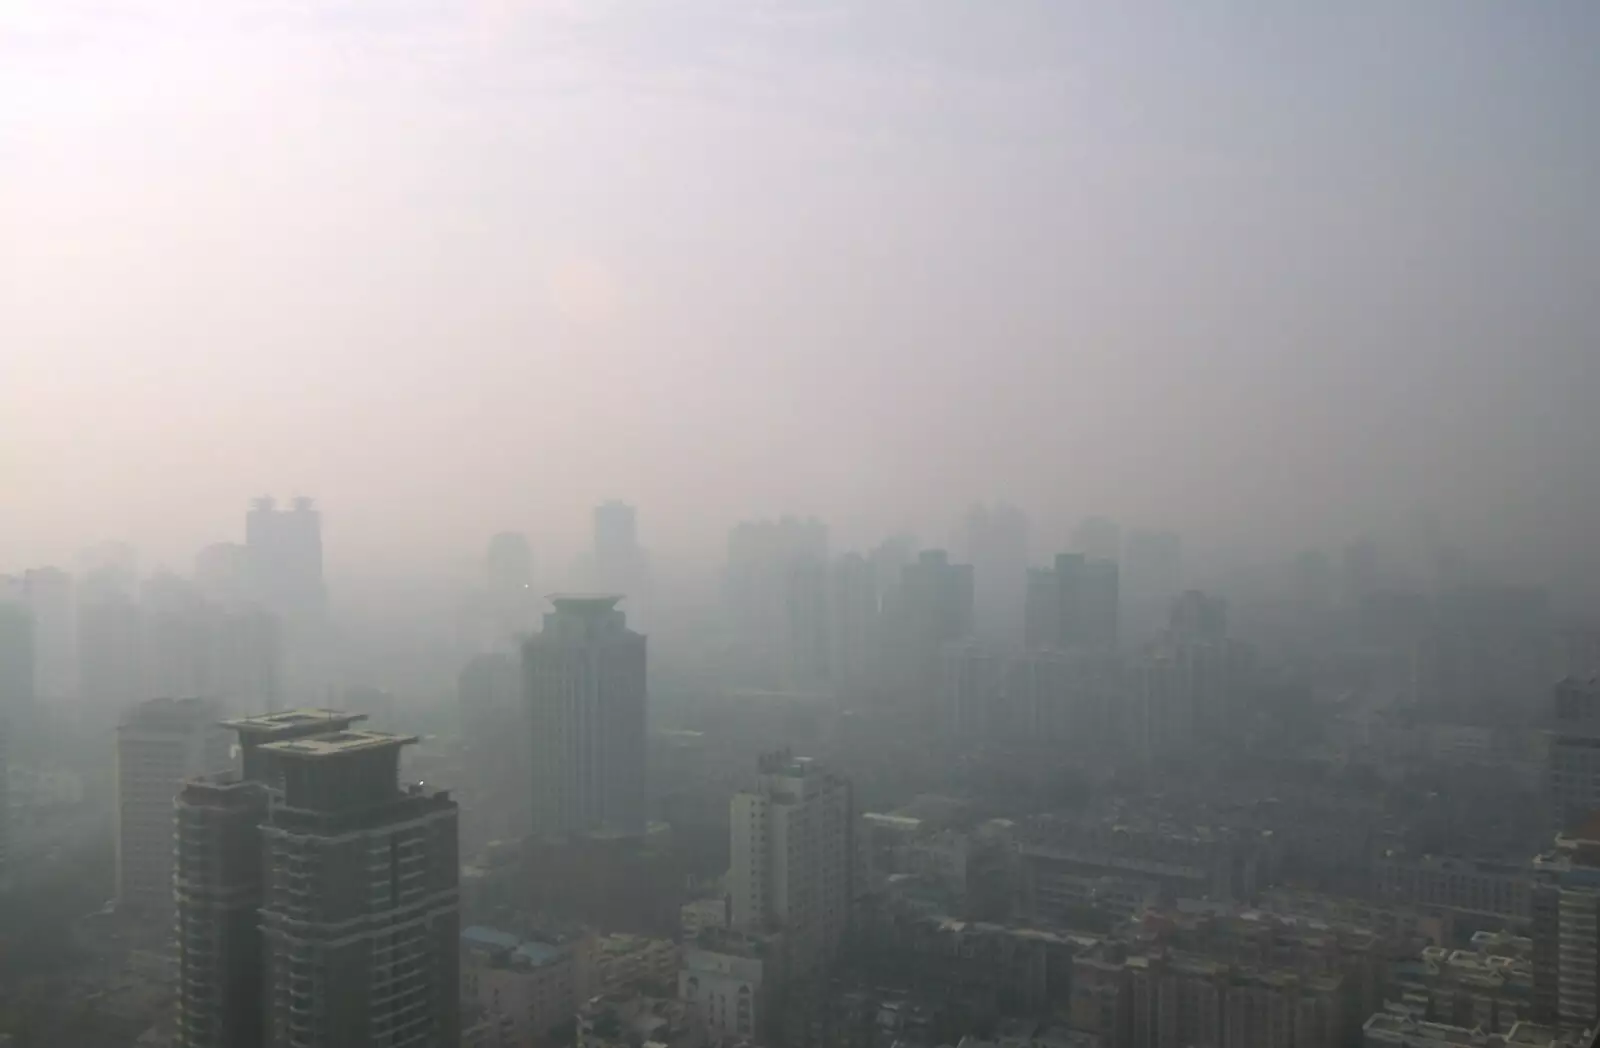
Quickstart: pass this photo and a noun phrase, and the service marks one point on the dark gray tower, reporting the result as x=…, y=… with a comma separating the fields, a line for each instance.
x=585, y=680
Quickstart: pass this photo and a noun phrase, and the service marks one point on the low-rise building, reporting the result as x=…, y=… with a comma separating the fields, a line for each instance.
x=728, y=980
x=1397, y=1030
x=532, y=985
x=624, y=963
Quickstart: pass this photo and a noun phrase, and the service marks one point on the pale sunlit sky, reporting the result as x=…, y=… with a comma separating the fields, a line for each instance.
x=1268, y=273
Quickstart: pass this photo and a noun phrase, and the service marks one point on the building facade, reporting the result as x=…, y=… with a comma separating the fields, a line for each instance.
x=793, y=859
x=584, y=677
x=161, y=743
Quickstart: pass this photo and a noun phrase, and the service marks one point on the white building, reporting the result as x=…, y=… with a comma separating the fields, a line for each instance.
x=793, y=858
x=530, y=986
x=726, y=981
x=160, y=744
x=585, y=675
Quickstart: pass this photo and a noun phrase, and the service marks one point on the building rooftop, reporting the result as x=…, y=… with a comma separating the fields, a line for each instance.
x=584, y=602
x=339, y=742
x=292, y=721
x=478, y=935
x=539, y=954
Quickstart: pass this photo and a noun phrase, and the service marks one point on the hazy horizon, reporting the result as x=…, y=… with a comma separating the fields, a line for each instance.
x=1268, y=277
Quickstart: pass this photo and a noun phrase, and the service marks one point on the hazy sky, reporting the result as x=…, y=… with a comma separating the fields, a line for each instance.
x=1262, y=270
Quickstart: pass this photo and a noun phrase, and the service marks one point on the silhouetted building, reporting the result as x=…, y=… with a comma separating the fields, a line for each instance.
x=284, y=557
x=160, y=744
x=585, y=681
x=930, y=608
x=1073, y=606
x=1574, y=753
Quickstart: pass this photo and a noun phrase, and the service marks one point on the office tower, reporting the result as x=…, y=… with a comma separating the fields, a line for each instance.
x=160, y=743
x=1098, y=538
x=1566, y=929
x=51, y=602
x=584, y=676
x=771, y=592
x=973, y=693
x=1151, y=577
x=284, y=557
x=1186, y=685
x=793, y=858
x=930, y=607
x=1073, y=606
x=1573, y=778
x=997, y=549
x=217, y=892
x=360, y=912
x=284, y=572
x=852, y=622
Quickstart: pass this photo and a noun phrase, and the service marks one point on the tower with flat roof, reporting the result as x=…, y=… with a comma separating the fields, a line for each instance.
x=360, y=913
x=584, y=677
x=316, y=895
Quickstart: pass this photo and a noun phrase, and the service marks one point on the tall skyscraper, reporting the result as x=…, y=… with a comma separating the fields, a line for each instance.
x=793, y=859
x=1573, y=779
x=997, y=548
x=160, y=744
x=361, y=902
x=1566, y=929
x=929, y=608
x=316, y=896
x=1073, y=606
x=284, y=569
x=584, y=676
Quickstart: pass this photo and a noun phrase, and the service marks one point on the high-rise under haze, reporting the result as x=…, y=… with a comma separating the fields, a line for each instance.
x=160, y=744
x=793, y=859
x=1073, y=605
x=316, y=896
x=283, y=558
x=584, y=676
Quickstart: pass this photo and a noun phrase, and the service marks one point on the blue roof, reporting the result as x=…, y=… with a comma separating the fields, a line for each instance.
x=539, y=953
x=477, y=935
